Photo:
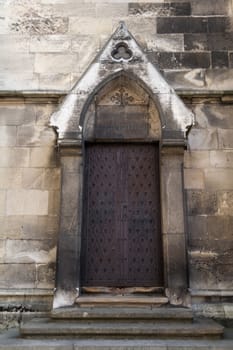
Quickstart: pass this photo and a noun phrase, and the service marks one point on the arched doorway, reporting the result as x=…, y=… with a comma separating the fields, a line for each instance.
x=121, y=101
x=121, y=236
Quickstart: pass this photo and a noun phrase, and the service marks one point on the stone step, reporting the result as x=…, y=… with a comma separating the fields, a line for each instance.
x=146, y=313
x=122, y=300
x=42, y=328
x=10, y=340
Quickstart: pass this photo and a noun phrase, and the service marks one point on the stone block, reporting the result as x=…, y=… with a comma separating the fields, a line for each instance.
x=70, y=193
x=8, y=136
x=46, y=276
x=2, y=203
x=177, y=262
x=39, y=227
x=197, y=227
x=182, y=25
x=54, y=63
x=219, y=79
x=43, y=157
x=13, y=63
x=231, y=60
x=219, y=24
x=11, y=227
x=2, y=250
x=210, y=7
x=14, y=157
x=29, y=227
x=20, y=80
x=194, y=179
x=30, y=251
x=166, y=42
x=81, y=25
x=70, y=164
x=38, y=22
x=35, y=136
x=27, y=202
x=196, y=159
x=219, y=227
x=225, y=203
x=221, y=159
x=201, y=202
x=17, y=275
x=50, y=43
x=228, y=310
x=52, y=81
x=216, y=248
x=72, y=8
x=218, y=179
x=173, y=220
x=202, y=273
x=160, y=9
x=213, y=116
x=9, y=178
x=14, y=43
x=175, y=60
x=33, y=178
x=54, y=203
x=225, y=138
x=211, y=41
x=188, y=79
x=44, y=112
x=52, y=179
x=203, y=139
x=220, y=59
x=111, y=9
x=3, y=26
x=86, y=47
x=207, y=270
x=196, y=42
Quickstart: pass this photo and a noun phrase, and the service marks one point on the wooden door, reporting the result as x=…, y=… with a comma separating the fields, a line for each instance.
x=121, y=242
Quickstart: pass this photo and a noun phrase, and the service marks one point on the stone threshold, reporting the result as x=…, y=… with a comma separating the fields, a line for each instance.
x=94, y=300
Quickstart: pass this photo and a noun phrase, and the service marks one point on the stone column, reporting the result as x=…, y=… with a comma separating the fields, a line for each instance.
x=68, y=254
x=173, y=223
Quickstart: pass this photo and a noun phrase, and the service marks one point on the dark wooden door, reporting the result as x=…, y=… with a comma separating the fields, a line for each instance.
x=121, y=242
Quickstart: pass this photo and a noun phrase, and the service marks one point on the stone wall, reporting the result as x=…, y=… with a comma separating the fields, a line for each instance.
x=46, y=45
x=209, y=189
x=29, y=192
x=55, y=40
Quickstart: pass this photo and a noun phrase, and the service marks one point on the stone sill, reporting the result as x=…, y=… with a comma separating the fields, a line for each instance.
x=210, y=292
x=26, y=292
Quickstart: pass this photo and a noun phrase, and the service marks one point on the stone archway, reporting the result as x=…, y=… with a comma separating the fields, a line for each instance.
x=121, y=232
x=82, y=118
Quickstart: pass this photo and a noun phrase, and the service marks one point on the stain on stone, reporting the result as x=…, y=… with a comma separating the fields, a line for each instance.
x=157, y=9
x=201, y=202
x=33, y=23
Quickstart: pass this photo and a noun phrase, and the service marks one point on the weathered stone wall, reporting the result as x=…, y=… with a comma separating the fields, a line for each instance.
x=54, y=40
x=29, y=192
x=209, y=189
x=47, y=45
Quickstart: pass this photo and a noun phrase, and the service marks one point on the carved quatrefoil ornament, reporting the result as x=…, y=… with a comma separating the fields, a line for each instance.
x=121, y=53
